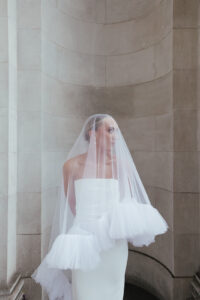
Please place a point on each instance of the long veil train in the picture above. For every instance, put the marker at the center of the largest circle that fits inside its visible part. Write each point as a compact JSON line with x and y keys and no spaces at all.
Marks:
{"x":81,"y":231}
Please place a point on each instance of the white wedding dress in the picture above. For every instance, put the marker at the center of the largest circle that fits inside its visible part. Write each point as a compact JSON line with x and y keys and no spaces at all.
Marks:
{"x":107,"y":280}
{"x":95,"y":248}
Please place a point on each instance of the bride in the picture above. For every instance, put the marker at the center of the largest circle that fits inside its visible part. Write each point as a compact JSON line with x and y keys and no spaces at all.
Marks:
{"x":102,"y":206}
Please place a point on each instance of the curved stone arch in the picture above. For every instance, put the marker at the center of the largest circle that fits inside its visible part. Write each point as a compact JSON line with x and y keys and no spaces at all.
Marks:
{"x":150,"y":274}
{"x":94,"y":11}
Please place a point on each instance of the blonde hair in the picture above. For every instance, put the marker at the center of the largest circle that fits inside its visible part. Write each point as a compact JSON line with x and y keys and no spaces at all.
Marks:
{"x":90,"y":125}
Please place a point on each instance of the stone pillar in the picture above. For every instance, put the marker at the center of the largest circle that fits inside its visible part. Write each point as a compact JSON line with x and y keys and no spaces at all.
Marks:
{"x":28,"y":224}
{"x":20,"y":146}
{"x":11,"y":281}
{"x":186,"y":54}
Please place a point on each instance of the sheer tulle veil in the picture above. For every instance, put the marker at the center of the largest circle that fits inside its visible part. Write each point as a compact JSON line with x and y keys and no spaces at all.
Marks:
{"x":99,"y":152}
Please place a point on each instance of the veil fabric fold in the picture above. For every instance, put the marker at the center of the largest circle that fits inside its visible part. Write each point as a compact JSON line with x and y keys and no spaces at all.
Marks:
{"x":102,"y":199}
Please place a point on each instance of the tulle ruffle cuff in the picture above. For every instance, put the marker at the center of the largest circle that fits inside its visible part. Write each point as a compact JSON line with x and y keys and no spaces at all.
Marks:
{"x":138,"y":223}
{"x":77,"y":249}
{"x":80,"y":248}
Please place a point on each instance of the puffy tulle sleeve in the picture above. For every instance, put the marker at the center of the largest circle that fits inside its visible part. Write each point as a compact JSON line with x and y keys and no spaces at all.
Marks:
{"x":80,"y":248}
{"x":138,"y":223}
{"x":77,"y":249}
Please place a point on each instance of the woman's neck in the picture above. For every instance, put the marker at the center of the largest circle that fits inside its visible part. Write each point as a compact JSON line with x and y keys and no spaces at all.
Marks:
{"x":104,"y":155}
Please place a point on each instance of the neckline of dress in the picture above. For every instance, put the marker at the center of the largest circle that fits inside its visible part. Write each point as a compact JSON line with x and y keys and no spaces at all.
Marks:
{"x":99,"y":179}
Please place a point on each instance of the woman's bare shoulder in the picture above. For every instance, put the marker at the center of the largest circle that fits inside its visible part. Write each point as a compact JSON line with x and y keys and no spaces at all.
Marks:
{"x":74,"y":162}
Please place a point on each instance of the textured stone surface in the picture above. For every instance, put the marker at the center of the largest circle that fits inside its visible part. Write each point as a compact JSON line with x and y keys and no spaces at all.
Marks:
{"x":61,"y":61}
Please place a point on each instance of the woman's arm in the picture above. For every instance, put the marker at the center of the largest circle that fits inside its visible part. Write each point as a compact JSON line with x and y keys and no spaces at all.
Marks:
{"x":128,"y":169}
{"x":67,"y":175}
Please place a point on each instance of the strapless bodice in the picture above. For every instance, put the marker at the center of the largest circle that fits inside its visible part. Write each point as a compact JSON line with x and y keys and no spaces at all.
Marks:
{"x":94,"y":197}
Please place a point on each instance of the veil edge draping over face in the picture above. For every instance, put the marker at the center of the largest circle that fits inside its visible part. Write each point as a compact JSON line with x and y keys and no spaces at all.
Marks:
{"x":116,"y":207}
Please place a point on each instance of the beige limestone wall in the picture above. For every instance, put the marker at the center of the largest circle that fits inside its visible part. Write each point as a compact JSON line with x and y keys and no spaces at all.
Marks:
{"x":29,"y":142}
{"x":4,"y":144}
{"x":186,"y":148}
{"x":9,"y":275}
{"x":109,"y":58}
{"x":136,"y":60}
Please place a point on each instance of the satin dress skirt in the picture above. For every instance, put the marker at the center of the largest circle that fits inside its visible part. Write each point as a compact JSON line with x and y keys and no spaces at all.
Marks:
{"x":107,"y":280}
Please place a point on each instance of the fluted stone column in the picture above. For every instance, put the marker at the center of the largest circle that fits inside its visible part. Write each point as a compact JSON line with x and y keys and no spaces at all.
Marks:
{"x":11,"y":281}
{"x":29,"y":142}
{"x":20,"y":146}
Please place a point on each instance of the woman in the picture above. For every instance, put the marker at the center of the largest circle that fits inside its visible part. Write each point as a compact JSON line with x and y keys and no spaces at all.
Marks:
{"x":103,"y":206}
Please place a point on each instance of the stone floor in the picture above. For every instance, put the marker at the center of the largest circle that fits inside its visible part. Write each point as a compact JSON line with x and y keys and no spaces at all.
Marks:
{"x":135,"y":293}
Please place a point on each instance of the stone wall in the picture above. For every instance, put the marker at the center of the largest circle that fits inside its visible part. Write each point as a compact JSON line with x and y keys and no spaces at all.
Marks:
{"x":62,"y":61}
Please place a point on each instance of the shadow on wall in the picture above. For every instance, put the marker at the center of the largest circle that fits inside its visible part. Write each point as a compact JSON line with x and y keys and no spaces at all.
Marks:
{"x":133,"y":292}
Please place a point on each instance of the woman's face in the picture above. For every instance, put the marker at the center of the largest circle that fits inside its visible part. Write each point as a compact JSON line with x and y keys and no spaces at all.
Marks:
{"x":106,"y":134}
